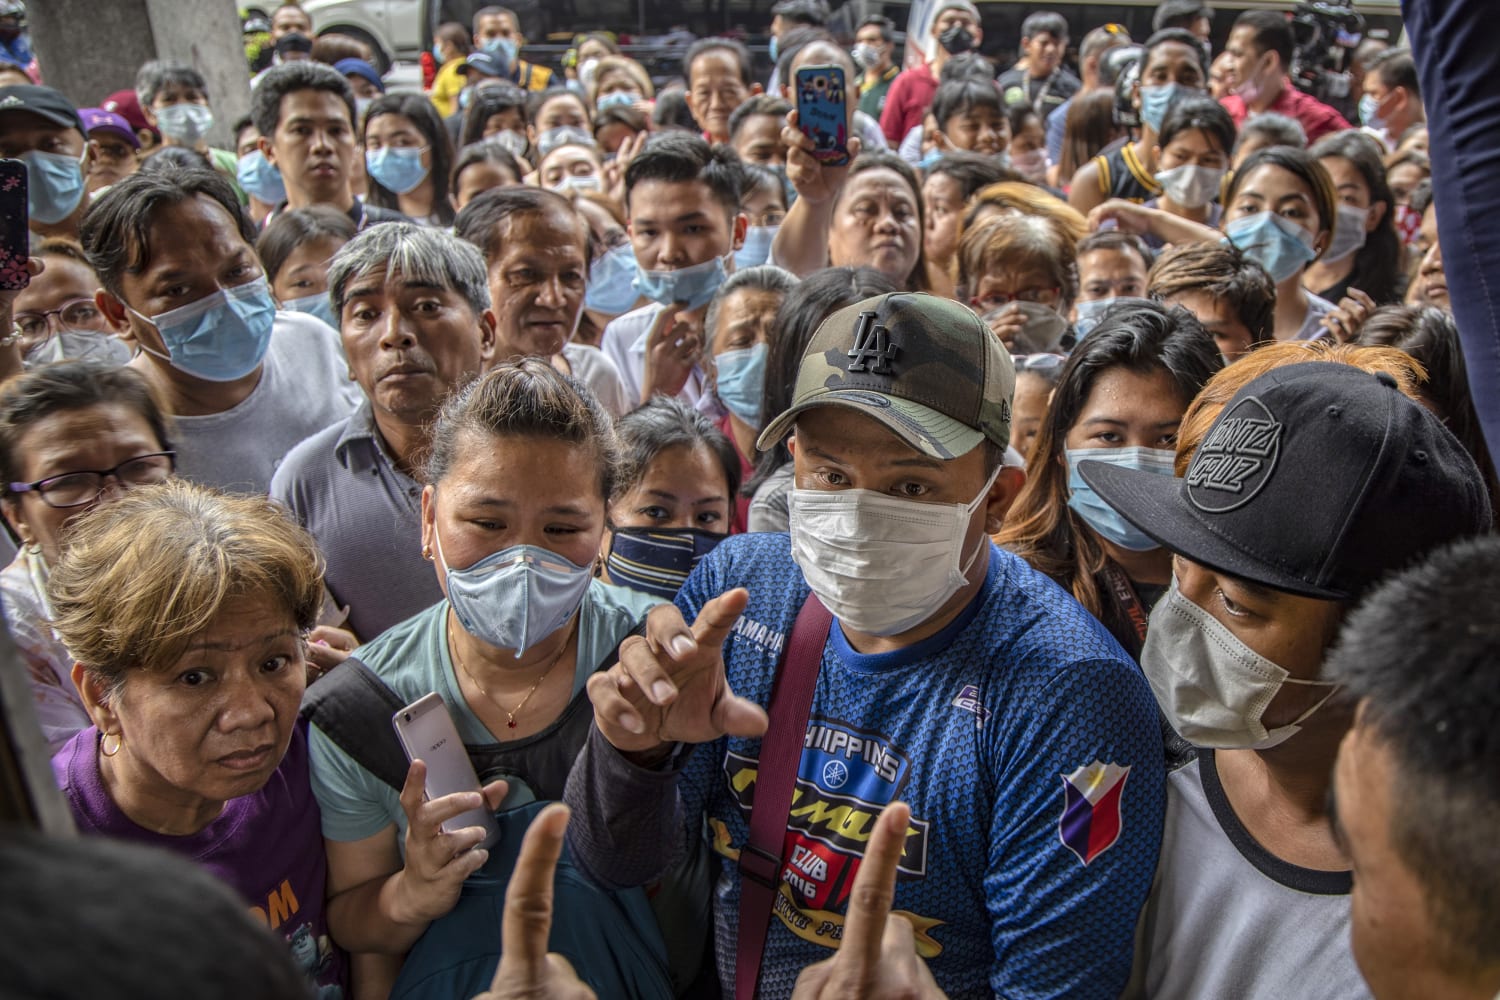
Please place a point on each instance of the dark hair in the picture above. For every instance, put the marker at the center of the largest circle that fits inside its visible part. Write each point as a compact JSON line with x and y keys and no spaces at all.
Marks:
{"x":760,"y":104}
{"x":1202,"y":113}
{"x":617,"y":115}
{"x":958,"y":97}
{"x":972,"y":171}
{"x":167,"y":159}
{"x":525,"y":397}
{"x":541,"y":98}
{"x":332,"y":47}
{"x":292,"y":228}
{"x":679,"y":158}
{"x":493,"y":11}
{"x":1278,"y":130}
{"x":1430,"y":336}
{"x":736,"y":49}
{"x":671,"y":113}
{"x":1044,"y":22}
{"x":1118,"y":242}
{"x":1273,"y":33}
{"x":116,"y":228}
{"x":794,"y":42}
{"x":486,"y":151}
{"x":455,"y":34}
{"x":1377,"y":264}
{"x":1305,"y":167}
{"x":1142,"y":337}
{"x":1419,"y":653}
{"x":885,"y":160}
{"x":286,"y":78}
{"x":1396,"y":68}
{"x":186,"y":933}
{"x":485,"y":221}
{"x":754,"y":177}
{"x":665,"y":422}
{"x":240,"y":124}
{"x":967,"y":66}
{"x":1089,"y":127}
{"x":886,"y":25}
{"x":484,"y":104}
{"x":66,"y":386}
{"x":1017,"y":115}
{"x":166,"y":75}
{"x":1225,"y":272}
{"x":804,"y":309}
{"x":1180,"y":14}
{"x":1180,"y":36}
{"x":418,"y":110}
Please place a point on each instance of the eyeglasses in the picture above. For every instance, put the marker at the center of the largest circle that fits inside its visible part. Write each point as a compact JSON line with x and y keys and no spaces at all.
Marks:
{"x":993,"y":301}
{"x":74,"y":489}
{"x":74,"y":314}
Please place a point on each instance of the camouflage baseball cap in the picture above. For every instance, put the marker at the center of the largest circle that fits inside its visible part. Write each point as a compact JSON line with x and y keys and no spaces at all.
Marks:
{"x":924,"y":366}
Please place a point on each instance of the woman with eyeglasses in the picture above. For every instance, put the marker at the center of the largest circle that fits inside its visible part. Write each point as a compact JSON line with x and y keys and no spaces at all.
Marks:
{"x":56,"y":315}
{"x":1020,"y":274}
{"x":73,"y":436}
{"x":1119,"y":399}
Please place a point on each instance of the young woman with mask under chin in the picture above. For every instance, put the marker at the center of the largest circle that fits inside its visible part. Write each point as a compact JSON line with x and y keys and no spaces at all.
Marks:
{"x":1119,"y":399}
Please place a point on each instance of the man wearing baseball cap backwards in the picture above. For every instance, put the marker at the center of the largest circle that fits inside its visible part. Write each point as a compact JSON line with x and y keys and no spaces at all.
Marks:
{"x":952,"y":675}
{"x":1315,"y":481}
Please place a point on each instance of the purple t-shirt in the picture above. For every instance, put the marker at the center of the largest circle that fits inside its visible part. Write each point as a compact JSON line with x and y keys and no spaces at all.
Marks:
{"x":268,"y":847}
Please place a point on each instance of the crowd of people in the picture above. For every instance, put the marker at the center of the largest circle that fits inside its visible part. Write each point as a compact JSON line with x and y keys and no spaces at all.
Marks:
{"x":1049,"y":553}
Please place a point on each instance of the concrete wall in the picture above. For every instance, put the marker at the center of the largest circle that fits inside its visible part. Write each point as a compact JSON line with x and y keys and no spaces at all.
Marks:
{"x":91,"y":48}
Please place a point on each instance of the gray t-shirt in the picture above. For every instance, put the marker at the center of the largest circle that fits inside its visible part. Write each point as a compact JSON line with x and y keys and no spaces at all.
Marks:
{"x":1226,"y":918}
{"x":304,"y":386}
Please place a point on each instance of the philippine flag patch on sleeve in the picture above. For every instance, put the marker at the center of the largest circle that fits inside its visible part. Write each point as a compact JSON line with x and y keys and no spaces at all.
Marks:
{"x":1090,"y":822}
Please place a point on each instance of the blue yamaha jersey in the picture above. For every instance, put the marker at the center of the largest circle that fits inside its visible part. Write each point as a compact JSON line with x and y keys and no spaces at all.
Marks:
{"x":1025,"y":742}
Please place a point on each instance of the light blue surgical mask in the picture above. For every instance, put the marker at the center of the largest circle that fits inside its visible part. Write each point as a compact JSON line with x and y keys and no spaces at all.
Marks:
{"x":611,"y":287}
{"x":619,"y":99}
{"x":515,"y":598}
{"x":931,"y":158}
{"x":54,"y":185}
{"x":186,"y":123}
{"x":1091,"y":507}
{"x":221,"y":337}
{"x":437,"y":53}
{"x":505,"y":48}
{"x":319,"y":305}
{"x":692,"y":286}
{"x":1280,"y":245}
{"x":260,"y":178}
{"x":1089,"y":315}
{"x":757,"y":247}
{"x":741,"y":380}
{"x":1157,"y":101}
{"x":1369,"y":113}
{"x":397,"y":169}
{"x":774,"y":48}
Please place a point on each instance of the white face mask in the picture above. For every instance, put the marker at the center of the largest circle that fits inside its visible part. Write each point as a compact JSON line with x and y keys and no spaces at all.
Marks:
{"x":1191,"y":186}
{"x":1212,"y":687}
{"x":881,"y":564}
{"x":1348,"y":233}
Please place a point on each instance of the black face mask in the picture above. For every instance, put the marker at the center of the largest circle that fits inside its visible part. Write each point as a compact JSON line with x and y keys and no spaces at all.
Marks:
{"x":956,"y":40}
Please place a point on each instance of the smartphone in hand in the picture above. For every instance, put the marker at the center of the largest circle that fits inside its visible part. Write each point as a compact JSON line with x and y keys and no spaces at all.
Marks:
{"x":15,"y":237}
{"x":427,"y":733}
{"x":823,"y":112}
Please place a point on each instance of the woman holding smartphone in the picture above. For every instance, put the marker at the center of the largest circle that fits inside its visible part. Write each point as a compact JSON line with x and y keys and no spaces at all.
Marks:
{"x":522,"y":466}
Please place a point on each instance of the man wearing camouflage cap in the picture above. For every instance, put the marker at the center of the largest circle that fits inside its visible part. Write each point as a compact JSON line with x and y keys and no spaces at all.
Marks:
{"x":951,"y":676}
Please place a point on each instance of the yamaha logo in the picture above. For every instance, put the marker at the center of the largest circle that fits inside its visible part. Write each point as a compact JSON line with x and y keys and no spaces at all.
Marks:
{"x":1237,"y":458}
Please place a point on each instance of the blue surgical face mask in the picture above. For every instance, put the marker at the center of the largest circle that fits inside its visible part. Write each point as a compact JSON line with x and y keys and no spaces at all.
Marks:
{"x":619,"y":99}
{"x":611,"y":287}
{"x":693,"y":286}
{"x":1369,"y":112}
{"x":319,"y":305}
{"x":260,"y":178}
{"x":1280,"y":245}
{"x":515,"y":598}
{"x":220,"y":338}
{"x":505,"y":48}
{"x":437,"y":53}
{"x":740,"y":382}
{"x":396,"y":169}
{"x":1091,"y":507}
{"x":931,"y":158}
{"x":54,"y":185}
{"x":757,"y":248}
{"x":774,"y":48}
{"x":657,"y":561}
{"x":1089,"y":315}
{"x":1157,"y":101}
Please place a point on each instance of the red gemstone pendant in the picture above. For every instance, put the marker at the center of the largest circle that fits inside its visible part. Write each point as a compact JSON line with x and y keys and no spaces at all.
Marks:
{"x":511,"y":724}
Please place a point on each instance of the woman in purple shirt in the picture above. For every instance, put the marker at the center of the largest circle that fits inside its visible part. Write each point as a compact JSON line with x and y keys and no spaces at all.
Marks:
{"x":186,"y":611}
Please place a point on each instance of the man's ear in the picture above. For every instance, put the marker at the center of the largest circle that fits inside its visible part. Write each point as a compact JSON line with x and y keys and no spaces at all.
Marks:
{"x":741,"y":226}
{"x":487,"y":336}
{"x":266,"y":149}
{"x":115,"y":314}
{"x":756,"y":90}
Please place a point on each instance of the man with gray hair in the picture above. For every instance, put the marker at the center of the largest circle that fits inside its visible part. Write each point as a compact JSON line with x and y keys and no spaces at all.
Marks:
{"x":415,"y":318}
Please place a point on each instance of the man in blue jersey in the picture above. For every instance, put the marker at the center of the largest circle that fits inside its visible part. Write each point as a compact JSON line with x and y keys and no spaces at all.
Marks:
{"x":953,"y":677}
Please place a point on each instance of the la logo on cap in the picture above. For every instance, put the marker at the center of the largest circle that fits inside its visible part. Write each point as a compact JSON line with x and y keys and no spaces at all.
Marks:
{"x":873,"y":351}
{"x":1236,"y":460}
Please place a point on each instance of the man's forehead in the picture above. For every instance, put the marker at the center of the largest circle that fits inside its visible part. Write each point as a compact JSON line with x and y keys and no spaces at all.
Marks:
{"x":13,"y":123}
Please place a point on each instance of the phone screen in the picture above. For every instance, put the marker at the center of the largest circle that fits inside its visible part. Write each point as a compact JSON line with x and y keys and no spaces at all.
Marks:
{"x":15,"y":238}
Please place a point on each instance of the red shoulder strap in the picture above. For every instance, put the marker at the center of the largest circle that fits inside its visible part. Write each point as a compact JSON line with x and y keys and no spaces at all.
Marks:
{"x":776,"y":778}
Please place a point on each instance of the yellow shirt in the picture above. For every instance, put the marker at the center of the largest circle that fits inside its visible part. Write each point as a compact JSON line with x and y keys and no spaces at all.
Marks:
{"x":531,"y":76}
{"x":446,"y":85}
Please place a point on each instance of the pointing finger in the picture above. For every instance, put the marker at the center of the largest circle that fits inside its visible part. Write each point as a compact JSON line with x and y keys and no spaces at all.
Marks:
{"x":528,"y":901}
{"x":874,"y":890}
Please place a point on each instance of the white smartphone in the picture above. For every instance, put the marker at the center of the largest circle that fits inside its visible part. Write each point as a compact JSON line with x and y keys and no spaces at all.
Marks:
{"x":427,"y":733}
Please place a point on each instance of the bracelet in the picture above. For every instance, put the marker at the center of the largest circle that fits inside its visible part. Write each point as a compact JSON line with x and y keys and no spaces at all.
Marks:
{"x":14,"y":338}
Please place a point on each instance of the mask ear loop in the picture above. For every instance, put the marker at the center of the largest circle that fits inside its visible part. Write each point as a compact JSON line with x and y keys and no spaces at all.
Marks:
{"x":970,"y":510}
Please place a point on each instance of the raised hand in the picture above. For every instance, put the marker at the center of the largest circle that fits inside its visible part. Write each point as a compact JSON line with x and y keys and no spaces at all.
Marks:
{"x":527,"y":970}
{"x":669,"y":686}
{"x":877,"y":956}
{"x":812,"y":180}
{"x":1345,"y":322}
{"x":437,"y":862}
{"x":673,"y":346}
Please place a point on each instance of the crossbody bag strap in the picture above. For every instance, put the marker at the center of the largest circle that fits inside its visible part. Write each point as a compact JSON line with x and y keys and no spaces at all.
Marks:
{"x":776,"y":779}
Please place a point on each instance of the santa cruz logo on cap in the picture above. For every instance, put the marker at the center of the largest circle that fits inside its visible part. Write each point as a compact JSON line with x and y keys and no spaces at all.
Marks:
{"x":1236,"y":460}
{"x":873,"y":351}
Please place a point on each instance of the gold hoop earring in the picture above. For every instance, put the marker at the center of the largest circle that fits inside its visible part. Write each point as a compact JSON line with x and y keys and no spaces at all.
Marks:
{"x":427,"y":552}
{"x":104,"y":744}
